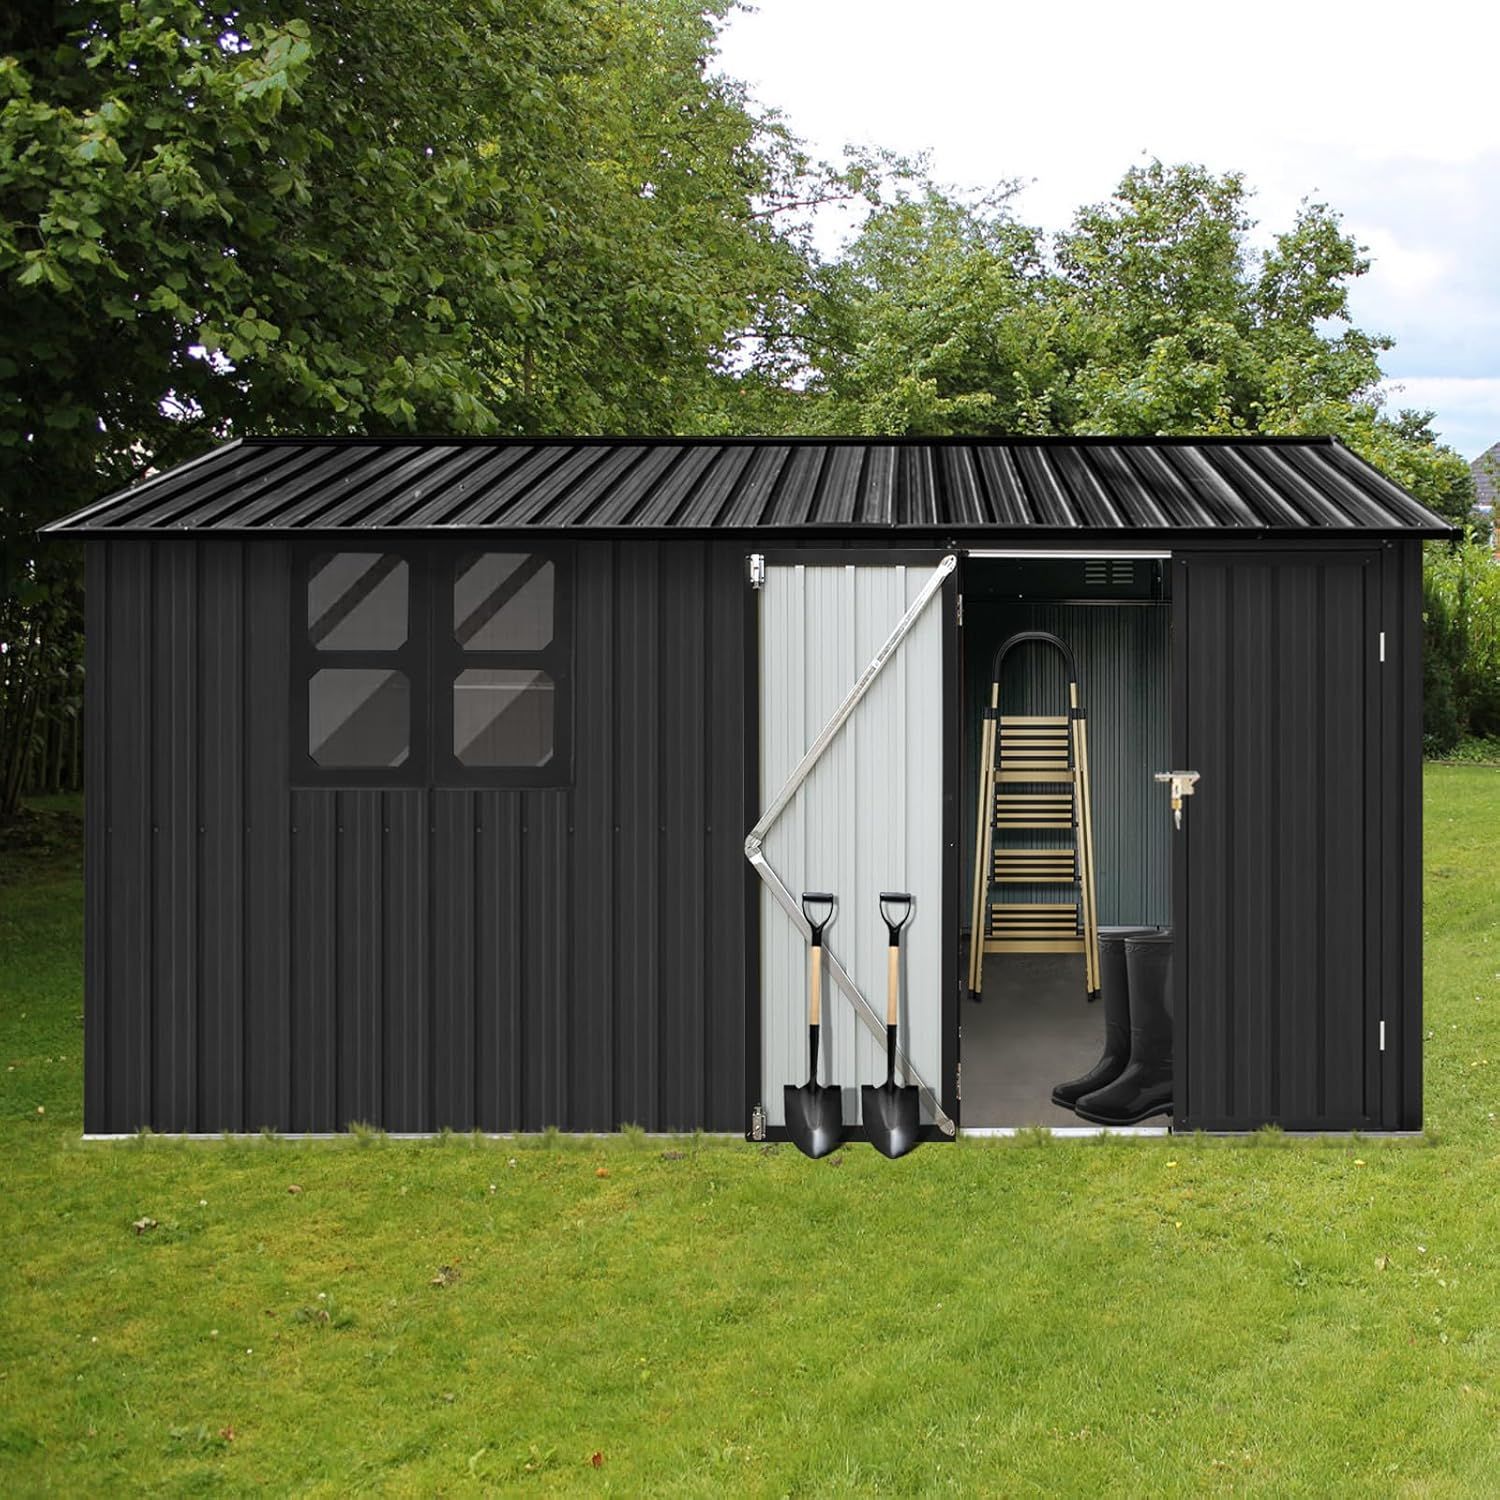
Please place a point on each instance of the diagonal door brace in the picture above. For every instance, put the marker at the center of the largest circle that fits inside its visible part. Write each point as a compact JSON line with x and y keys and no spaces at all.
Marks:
{"x":755,"y":839}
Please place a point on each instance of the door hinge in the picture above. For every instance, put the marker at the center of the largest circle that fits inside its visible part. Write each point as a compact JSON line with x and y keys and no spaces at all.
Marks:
{"x":958,"y":1082}
{"x":758,"y":1123}
{"x":960,"y":609}
{"x":1382,"y":1036}
{"x":757,"y":570}
{"x":1382,"y":645}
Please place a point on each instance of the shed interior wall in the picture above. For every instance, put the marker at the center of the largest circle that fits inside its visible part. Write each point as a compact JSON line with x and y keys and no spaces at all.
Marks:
{"x":1034,"y":1027}
{"x":1123,"y":670}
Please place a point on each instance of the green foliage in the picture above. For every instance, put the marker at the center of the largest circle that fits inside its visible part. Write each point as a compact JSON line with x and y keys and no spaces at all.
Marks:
{"x":1442,"y":662}
{"x":472,"y":217}
{"x":1175,"y":1317}
{"x":1151,"y":314}
{"x":934,"y":321}
{"x":1461,"y":665}
{"x":1475,"y":751}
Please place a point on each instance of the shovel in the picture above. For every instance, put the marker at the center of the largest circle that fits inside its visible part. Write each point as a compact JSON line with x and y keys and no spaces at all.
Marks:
{"x":891,"y":1114}
{"x":815,"y":1112}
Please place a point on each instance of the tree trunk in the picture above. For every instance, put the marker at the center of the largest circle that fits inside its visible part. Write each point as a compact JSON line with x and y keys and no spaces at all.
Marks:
{"x":75,"y":748}
{"x":22,"y":726}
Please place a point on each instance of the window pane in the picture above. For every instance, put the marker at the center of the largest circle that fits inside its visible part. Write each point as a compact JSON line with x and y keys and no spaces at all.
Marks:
{"x":358,"y":717}
{"x":502,"y":601}
{"x":356,"y":601}
{"x":503,"y":717}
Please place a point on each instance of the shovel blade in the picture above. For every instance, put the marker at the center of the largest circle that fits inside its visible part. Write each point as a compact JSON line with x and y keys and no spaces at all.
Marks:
{"x":814,"y":1117}
{"x":892,"y":1118}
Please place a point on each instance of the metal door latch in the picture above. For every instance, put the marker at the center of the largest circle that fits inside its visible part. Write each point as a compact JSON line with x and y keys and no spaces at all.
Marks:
{"x":1182,"y":783}
{"x":757,"y":569}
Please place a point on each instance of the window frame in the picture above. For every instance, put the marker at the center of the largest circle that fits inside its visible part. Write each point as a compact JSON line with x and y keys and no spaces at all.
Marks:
{"x":410,"y":657}
{"x":431,"y":657}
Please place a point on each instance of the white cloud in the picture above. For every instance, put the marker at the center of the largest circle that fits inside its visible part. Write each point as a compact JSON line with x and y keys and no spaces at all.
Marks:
{"x":1469,"y":408}
{"x":1406,"y":270}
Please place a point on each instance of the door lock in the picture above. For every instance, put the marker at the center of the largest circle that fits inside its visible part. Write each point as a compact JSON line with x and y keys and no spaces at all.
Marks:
{"x":1182,"y":783}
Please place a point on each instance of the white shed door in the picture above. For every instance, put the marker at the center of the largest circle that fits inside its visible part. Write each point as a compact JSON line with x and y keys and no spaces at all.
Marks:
{"x":865,"y":816}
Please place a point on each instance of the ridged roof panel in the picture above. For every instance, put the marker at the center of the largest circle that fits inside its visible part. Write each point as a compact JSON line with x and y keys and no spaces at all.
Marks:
{"x":1054,"y":485}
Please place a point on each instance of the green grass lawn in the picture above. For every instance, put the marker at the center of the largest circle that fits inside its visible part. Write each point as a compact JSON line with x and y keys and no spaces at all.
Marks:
{"x":1176,"y":1316}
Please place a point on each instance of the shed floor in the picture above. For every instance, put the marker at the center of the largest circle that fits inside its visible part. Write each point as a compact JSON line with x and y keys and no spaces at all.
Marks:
{"x":1033,"y":1029}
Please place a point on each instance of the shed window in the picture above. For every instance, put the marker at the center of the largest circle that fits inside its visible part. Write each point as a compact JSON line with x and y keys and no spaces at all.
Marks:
{"x":503,"y":717}
{"x":357,"y":601}
{"x":503,"y":601}
{"x":506,"y":667}
{"x":359,"y":716}
{"x":433,"y":665}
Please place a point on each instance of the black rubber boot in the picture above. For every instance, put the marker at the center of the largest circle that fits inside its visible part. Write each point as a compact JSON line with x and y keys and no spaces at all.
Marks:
{"x":1145,"y":1087}
{"x":1114,"y":984}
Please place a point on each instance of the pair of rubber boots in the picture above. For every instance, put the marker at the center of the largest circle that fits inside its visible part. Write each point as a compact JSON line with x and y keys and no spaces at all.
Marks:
{"x":1133,"y":1079}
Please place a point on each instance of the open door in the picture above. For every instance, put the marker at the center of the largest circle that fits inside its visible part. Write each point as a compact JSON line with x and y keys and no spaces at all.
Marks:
{"x":1277,"y":879}
{"x":856,"y":695}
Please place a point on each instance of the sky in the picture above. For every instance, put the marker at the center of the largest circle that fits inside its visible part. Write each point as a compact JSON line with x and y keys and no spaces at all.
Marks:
{"x":1390,"y":114}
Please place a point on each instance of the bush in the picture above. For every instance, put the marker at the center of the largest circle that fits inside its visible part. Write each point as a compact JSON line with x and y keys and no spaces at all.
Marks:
{"x":1461,"y":661}
{"x":1472,"y":752}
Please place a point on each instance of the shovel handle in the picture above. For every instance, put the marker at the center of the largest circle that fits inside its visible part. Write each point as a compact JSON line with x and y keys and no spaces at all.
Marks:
{"x":899,"y":913}
{"x":811,"y":902}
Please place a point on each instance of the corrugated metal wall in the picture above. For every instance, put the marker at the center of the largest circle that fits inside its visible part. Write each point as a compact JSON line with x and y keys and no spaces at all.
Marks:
{"x":1124,"y":674}
{"x":1297,"y":943}
{"x":868,"y":818}
{"x":263,"y":956}
{"x":512,"y":959}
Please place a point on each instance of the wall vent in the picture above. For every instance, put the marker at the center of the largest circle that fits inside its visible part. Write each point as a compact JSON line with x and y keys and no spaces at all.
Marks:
{"x":1102,"y":572}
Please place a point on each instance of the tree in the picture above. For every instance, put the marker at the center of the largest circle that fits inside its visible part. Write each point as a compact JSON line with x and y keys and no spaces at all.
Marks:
{"x":473,"y":217}
{"x":1461,"y":616}
{"x":935,"y":320}
{"x":1151,"y":314}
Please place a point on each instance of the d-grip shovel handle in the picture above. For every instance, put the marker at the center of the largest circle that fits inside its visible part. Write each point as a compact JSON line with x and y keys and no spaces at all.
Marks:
{"x":810,"y":901}
{"x":899,"y":902}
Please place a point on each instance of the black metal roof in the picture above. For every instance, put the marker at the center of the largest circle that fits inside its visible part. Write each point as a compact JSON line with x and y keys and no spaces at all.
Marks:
{"x":265,"y":486}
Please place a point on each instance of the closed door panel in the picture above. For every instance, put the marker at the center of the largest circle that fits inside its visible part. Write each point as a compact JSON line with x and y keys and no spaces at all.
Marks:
{"x":1277,"y":992}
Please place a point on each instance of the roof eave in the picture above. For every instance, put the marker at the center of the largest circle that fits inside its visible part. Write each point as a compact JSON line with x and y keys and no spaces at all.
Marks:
{"x":72,"y":525}
{"x":829,"y":530}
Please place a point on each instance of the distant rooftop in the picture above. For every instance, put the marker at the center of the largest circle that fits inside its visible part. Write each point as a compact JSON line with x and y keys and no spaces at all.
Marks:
{"x":1486,"y":471}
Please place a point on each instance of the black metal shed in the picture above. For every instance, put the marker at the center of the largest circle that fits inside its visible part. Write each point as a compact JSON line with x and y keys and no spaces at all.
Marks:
{"x":420,"y":772}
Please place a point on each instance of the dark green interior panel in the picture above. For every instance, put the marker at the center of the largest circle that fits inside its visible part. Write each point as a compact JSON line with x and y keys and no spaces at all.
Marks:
{"x":1122,"y":649}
